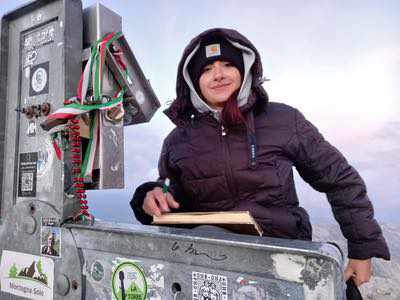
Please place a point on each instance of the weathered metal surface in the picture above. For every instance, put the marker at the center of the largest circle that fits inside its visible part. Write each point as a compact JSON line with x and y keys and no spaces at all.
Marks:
{"x":141,"y":102}
{"x":255,"y":268}
{"x":98,"y":20}
{"x":39,"y":69}
{"x":14,"y":236}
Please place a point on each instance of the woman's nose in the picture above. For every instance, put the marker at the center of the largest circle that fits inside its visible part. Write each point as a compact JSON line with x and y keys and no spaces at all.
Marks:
{"x":218,"y":72}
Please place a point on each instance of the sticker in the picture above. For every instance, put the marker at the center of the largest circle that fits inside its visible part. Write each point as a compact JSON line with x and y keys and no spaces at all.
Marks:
{"x":27,"y":174}
{"x":128,"y":282}
{"x":36,"y":18}
{"x":39,"y":79}
{"x":139,"y":96}
{"x":252,"y":292}
{"x":30,"y":57}
{"x":39,"y":38}
{"x":27,"y":275}
{"x":155,"y":282}
{"x":242,"y":281}
{"x":27,"y":72}
{"x":97,"y":271}
{"x":45,"y":158}
{"x":128,"y":78}
{"x":245,"y":288}
{"x":209,"y":286}
{"x":31,"y":130}
{"x":50,"y":237}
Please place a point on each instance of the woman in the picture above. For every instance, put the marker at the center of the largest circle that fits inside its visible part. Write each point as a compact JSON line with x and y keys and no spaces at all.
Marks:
{"x":232,"y":149}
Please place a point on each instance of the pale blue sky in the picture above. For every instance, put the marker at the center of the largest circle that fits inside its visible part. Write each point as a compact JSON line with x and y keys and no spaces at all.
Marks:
{"x":337,"y":61}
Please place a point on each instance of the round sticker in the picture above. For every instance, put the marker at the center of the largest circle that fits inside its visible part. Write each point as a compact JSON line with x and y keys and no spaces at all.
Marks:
{"x":129,"y":282}
{"x":39,"y":79}
{"x":97,"y":271}
{"x":45,"y":158}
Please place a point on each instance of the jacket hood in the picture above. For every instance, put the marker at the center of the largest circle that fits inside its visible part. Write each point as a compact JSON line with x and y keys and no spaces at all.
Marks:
{"x":186,"y":97}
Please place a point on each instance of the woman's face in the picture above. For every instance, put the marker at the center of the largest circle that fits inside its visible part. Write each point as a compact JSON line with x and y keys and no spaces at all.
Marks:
{"x":218,"y":82}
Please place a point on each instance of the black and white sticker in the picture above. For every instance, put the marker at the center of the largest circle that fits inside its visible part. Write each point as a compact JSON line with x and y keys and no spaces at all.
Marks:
{"x":31,"y":129}
{"x":30,"y":58}
{"x":39,"y":79}
{"x":27,"y":174}
{"x":39,"y":38}
{"x":209,"y":286}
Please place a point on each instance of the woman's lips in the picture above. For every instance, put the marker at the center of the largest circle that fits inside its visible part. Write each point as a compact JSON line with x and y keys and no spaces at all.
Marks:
{"x":220,"y":86}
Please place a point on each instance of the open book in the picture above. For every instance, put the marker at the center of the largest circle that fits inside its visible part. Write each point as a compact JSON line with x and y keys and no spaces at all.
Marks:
{"x":236,"y":221}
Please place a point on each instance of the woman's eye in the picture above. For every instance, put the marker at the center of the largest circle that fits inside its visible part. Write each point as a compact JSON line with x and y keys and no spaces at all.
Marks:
{"x":227,"y":64}
{"x":207,"y":68}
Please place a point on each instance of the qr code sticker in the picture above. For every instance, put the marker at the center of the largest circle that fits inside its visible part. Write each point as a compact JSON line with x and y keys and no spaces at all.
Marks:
{"x":27,"y":182}
{"x":209,"y":286}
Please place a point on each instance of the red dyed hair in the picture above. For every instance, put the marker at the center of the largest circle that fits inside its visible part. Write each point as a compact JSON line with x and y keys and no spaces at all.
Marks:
{"x":231,"y":114}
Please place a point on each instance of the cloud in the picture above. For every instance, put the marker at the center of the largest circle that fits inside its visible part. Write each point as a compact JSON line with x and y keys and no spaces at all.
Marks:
{"x":364,"y":88}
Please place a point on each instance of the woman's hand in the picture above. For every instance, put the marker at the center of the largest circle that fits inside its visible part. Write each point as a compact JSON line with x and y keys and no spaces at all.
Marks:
{"x":156,"y":202}
{"x":360,"y":270}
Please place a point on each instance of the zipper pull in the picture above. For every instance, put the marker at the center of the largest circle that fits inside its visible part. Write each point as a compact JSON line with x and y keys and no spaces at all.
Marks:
{"x":192,"y":119}
{"x":223,"y":131}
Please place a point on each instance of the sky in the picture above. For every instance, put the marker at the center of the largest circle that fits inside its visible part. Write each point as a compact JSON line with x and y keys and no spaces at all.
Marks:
{"x":336,"y":61}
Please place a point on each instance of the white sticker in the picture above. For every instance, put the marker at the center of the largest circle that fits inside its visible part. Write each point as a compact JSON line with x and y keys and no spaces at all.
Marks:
{"x":31,"y":129}
{"x":155,"y":281}
{"x":27,"y":72}
{"x":39,"y":38}
{"x":27,"y":275}
{"x":129,"y":79}
{"x":36,"y":18}
{"x":209,"y":286}
{"x":30,"y":57}
{"x":39,"y":79}
{"x":139,"y":97}
{"x":45,"y":158}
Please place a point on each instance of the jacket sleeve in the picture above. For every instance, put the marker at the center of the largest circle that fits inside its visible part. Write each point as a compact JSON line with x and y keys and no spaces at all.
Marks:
{"x":326,"y":170}
{"x":165,"y":171}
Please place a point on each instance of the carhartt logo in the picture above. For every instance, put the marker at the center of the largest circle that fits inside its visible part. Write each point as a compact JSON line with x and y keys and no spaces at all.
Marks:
{"x":213,"y":50}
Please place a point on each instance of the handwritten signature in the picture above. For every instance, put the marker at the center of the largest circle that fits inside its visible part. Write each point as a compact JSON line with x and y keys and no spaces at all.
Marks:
{"x":191,"y":250}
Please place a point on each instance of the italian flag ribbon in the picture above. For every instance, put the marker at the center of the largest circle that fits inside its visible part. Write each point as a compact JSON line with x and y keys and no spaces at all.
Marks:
{"x":72,"y":110}
{"x":93,"y":71}
{"x":92,"y":75}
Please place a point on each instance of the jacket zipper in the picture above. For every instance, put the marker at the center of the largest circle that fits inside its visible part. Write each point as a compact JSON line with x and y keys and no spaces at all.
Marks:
{"x":229,"y":172}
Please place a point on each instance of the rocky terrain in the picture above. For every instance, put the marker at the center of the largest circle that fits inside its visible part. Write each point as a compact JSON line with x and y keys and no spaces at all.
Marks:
{"x":385,"y":283}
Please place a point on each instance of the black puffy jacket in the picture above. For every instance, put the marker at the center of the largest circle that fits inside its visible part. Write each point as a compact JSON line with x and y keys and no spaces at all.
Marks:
{"x":250,"y":167}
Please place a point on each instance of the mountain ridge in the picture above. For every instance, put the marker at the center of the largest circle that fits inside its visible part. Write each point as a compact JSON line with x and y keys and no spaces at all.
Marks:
{"x":385,"y":282}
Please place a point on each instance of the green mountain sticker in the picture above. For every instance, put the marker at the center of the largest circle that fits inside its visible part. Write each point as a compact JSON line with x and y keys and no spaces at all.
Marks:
{"x":26,"y":275}
{"x":128,"y":282}
{"x":34,"y":271}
